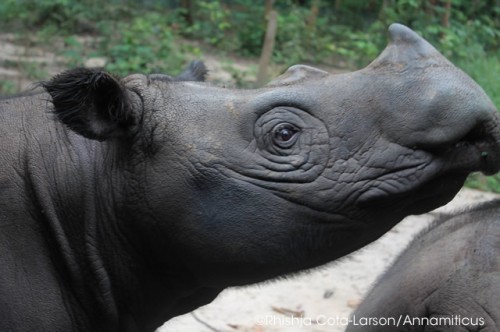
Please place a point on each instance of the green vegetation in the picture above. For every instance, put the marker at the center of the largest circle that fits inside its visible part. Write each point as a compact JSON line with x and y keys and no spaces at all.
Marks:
{"x":163,"y":35}
{"x":135,"y":35}
{"x":485,"y":70}
{"x":485,"y":183}
{"x":145,"y":44}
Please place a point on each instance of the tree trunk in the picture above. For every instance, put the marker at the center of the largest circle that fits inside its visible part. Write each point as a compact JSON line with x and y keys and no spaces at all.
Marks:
{"x":337,"y":5}
{"x":267,"y":49}
{"x":313,"y":15}
{"x":269,"y":7}
{"x":381,"y":13}
{"x":445,"y":21}
{"x":187,"y":14}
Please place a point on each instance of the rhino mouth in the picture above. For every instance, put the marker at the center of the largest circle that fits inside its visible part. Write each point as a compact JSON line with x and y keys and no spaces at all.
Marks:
{"x":477,"y":151}
{"x":436,"y":182}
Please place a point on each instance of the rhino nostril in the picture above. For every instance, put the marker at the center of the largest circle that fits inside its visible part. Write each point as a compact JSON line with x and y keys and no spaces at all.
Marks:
{"x":476,"y":151}
{"x":471,"y":138}
{"x":478,"y":135}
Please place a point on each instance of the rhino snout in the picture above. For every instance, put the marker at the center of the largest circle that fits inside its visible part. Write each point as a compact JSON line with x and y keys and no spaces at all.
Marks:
{"x":426,"y":103}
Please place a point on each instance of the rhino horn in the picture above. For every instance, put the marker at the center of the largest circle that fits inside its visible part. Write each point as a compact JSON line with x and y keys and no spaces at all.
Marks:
{"x":406,"y":49}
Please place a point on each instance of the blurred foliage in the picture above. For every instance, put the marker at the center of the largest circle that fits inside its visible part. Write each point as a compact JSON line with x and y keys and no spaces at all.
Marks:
{"x":163,"y":35}
{"x":145,"y":44}
{"x":349,"y":33}
{"x":485,"y":183}
{"x":485,"y":71}
{"x":60,"y":16}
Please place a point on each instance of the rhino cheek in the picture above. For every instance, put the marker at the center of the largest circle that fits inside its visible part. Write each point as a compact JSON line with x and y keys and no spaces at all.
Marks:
{"x":241,"y":234}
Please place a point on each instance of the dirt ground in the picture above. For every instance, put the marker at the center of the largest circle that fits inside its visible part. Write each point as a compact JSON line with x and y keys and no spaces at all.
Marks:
{"x":320,"y":300}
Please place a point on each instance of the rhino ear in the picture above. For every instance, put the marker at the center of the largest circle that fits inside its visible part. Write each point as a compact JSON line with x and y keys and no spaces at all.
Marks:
{"x":196,"y":71}
{"x":296,"y":74}
{"x":91,"y":102}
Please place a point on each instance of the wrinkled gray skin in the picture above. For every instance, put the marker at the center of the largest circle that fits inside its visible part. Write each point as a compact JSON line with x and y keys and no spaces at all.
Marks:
{"x":451,"y":270}
{"x":127,"y":202}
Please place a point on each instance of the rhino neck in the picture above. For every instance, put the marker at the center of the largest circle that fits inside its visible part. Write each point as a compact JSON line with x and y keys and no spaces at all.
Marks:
{"x":150,"y":280}
{"x":62,"y":172}
{"x":90,"y":209}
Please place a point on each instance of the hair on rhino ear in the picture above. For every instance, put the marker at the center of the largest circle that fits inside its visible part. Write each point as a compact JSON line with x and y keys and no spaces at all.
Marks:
{"x":91,"y":102}
{"x":196,"y":71}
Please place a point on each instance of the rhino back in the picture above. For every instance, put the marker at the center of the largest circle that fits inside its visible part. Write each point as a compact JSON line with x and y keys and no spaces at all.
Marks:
{"x":449,"y":271}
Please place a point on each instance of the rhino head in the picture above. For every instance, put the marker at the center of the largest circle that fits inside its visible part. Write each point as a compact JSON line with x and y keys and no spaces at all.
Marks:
{"x":213,"y":187}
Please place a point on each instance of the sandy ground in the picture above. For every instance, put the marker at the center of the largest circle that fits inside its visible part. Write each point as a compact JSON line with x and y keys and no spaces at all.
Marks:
{"x":324,"y":297}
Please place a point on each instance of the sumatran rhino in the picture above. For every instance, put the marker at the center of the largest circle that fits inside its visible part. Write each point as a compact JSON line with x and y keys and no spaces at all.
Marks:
{"x":448,"y":279}
{"x":128,"y":201}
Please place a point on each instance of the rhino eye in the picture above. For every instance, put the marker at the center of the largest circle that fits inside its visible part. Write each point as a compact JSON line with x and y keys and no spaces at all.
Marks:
{"x":285,"y":135}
